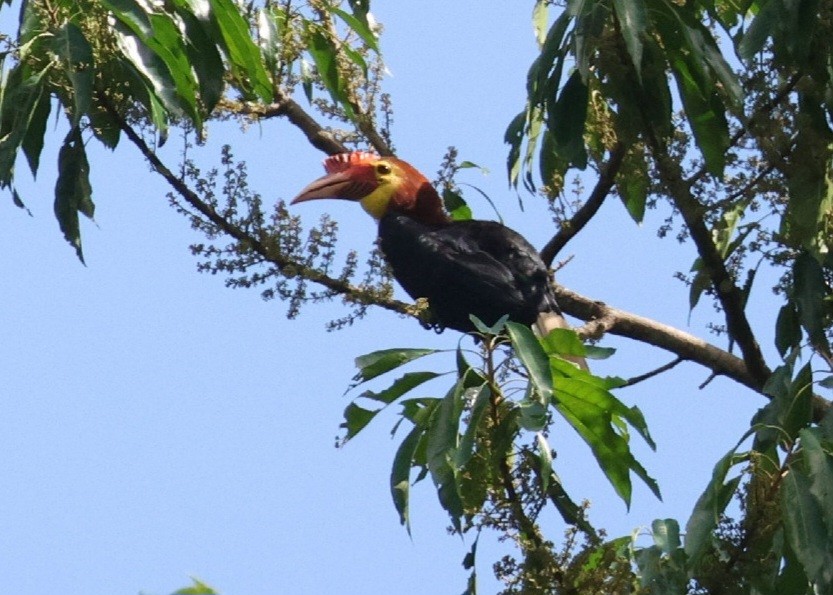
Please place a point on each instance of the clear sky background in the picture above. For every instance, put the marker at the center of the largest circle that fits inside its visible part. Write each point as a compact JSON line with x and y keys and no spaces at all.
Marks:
{"x":155,"y":425}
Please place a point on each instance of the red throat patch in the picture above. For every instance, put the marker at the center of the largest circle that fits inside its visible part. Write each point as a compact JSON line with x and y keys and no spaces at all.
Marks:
{"x":344,"y":161}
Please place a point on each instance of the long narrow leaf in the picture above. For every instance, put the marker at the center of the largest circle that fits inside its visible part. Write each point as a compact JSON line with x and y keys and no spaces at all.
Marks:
{"x":376,"y":363}
{"x":533,"y":357}
{"x":73,"y":193}
{"x":633,"y":21}
{"x":360,"y":27}
{"x":242,"y":51}
{"x":400,"y":476}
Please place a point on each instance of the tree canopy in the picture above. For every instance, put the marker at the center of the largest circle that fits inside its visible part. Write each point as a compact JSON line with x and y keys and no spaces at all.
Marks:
{"x":719,"y":112}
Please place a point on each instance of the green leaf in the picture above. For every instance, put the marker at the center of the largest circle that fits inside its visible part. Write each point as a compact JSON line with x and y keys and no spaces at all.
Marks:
{"x":197,"y":588}
{"x":658,"y":574}
{"x":792,"y":578}
{"x":400,"y":386}
{"x":485,"y":329}
{"x":32,"y":143}
{"x":703,"y":47}
{"x":160,"y":96}
{"x":551,"y":166}
{"x":598,"y":353}
{"x":469,"y":563}
{"x":376,"y":363}
{"x":705,"y":114}
{"x":479,"y":407}
{"x":590,"y":24}
{"x":533,"y":415}
{"x":324,"y":54}
{"x":761,"y":28}
{"x":23,"y":93}
{"x":710,"y":506}
{"x":400,"y":476}
{"x":545,"y":72}
{"x":564,"y":342}
{"x":18,"y":202}
{"x":808,"y":180}
{"x":360,"y":27}
{"x":154,"y":43}
{"x":73,"y":193}
{"x":632,"y":184}
{"x":514,"y":137}
{"x":566,"y":119}
{"x":269,"y":23}
{"x":455,"y":205}
{"x":806,"y":530}
{"x":240,"y":48}
{"x":75,"y":51}
{"x":666,"y":533}
{"x":570,"y":512}
{"x":533,"y":133}
{"x":655,"y":99}
{"x":306,"y":79}
{"x":596,"y":414}
{"x":633,"y":22}
{"x":787,"y":328}
{"x":540,"y":18}
{"x":819,"y":460}
{"x":356,"y":419}
{"x":810,"y":293}
{"x":442,"y":436}
{"x":203,"y":53}
{"x":790,"y":409}
{"x":533,"y":357}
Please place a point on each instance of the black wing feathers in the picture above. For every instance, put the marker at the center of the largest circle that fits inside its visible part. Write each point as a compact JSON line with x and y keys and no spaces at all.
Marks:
{"x":467,"y":267}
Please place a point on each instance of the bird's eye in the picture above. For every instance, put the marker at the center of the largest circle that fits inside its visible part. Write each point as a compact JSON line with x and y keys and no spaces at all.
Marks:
{"x":383,"y":169}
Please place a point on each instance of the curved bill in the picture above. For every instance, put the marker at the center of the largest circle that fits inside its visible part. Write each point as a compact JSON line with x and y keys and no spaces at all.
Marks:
{"x":340,"y":184}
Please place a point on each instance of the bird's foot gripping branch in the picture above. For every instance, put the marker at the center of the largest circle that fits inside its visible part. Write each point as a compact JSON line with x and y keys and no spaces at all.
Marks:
{"x":486,"y":443}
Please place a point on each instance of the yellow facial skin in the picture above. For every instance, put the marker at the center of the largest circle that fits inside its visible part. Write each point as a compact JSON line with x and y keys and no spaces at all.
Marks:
{"x":376,"y":203}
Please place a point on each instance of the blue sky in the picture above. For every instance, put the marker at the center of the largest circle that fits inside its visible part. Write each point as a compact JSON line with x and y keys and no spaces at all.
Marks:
{"x":155,"y":425}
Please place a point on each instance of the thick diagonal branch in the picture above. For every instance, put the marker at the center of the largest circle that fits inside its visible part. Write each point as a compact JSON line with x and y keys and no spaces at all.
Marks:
{"x":607,"y":319}
{"x":728,"y":293}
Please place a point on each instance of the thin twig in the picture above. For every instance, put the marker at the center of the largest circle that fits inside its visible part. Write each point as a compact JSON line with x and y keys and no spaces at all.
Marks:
{"x":652,"y":373}
{"x":607,"y":176}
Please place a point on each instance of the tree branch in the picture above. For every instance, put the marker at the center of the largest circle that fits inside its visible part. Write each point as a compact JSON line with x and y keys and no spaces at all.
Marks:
{"x":284,"y":106}
{"x":350,"y":292}
{"x":607,"y":319}
{"x":318,"y":136}
{"x":607,"y":176}
{"x":729,"y":295}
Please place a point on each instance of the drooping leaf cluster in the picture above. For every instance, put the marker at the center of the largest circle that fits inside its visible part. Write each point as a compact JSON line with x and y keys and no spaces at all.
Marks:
{"x":485,"y":443}
{"x":743,"y":155}
{"x":110,"y":64}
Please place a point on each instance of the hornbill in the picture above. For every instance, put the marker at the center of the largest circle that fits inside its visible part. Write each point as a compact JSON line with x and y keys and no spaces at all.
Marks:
{"x":462,"y":268}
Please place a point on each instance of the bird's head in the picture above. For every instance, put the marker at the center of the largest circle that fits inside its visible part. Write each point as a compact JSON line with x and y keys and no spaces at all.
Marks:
{"x":380,"y":184}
